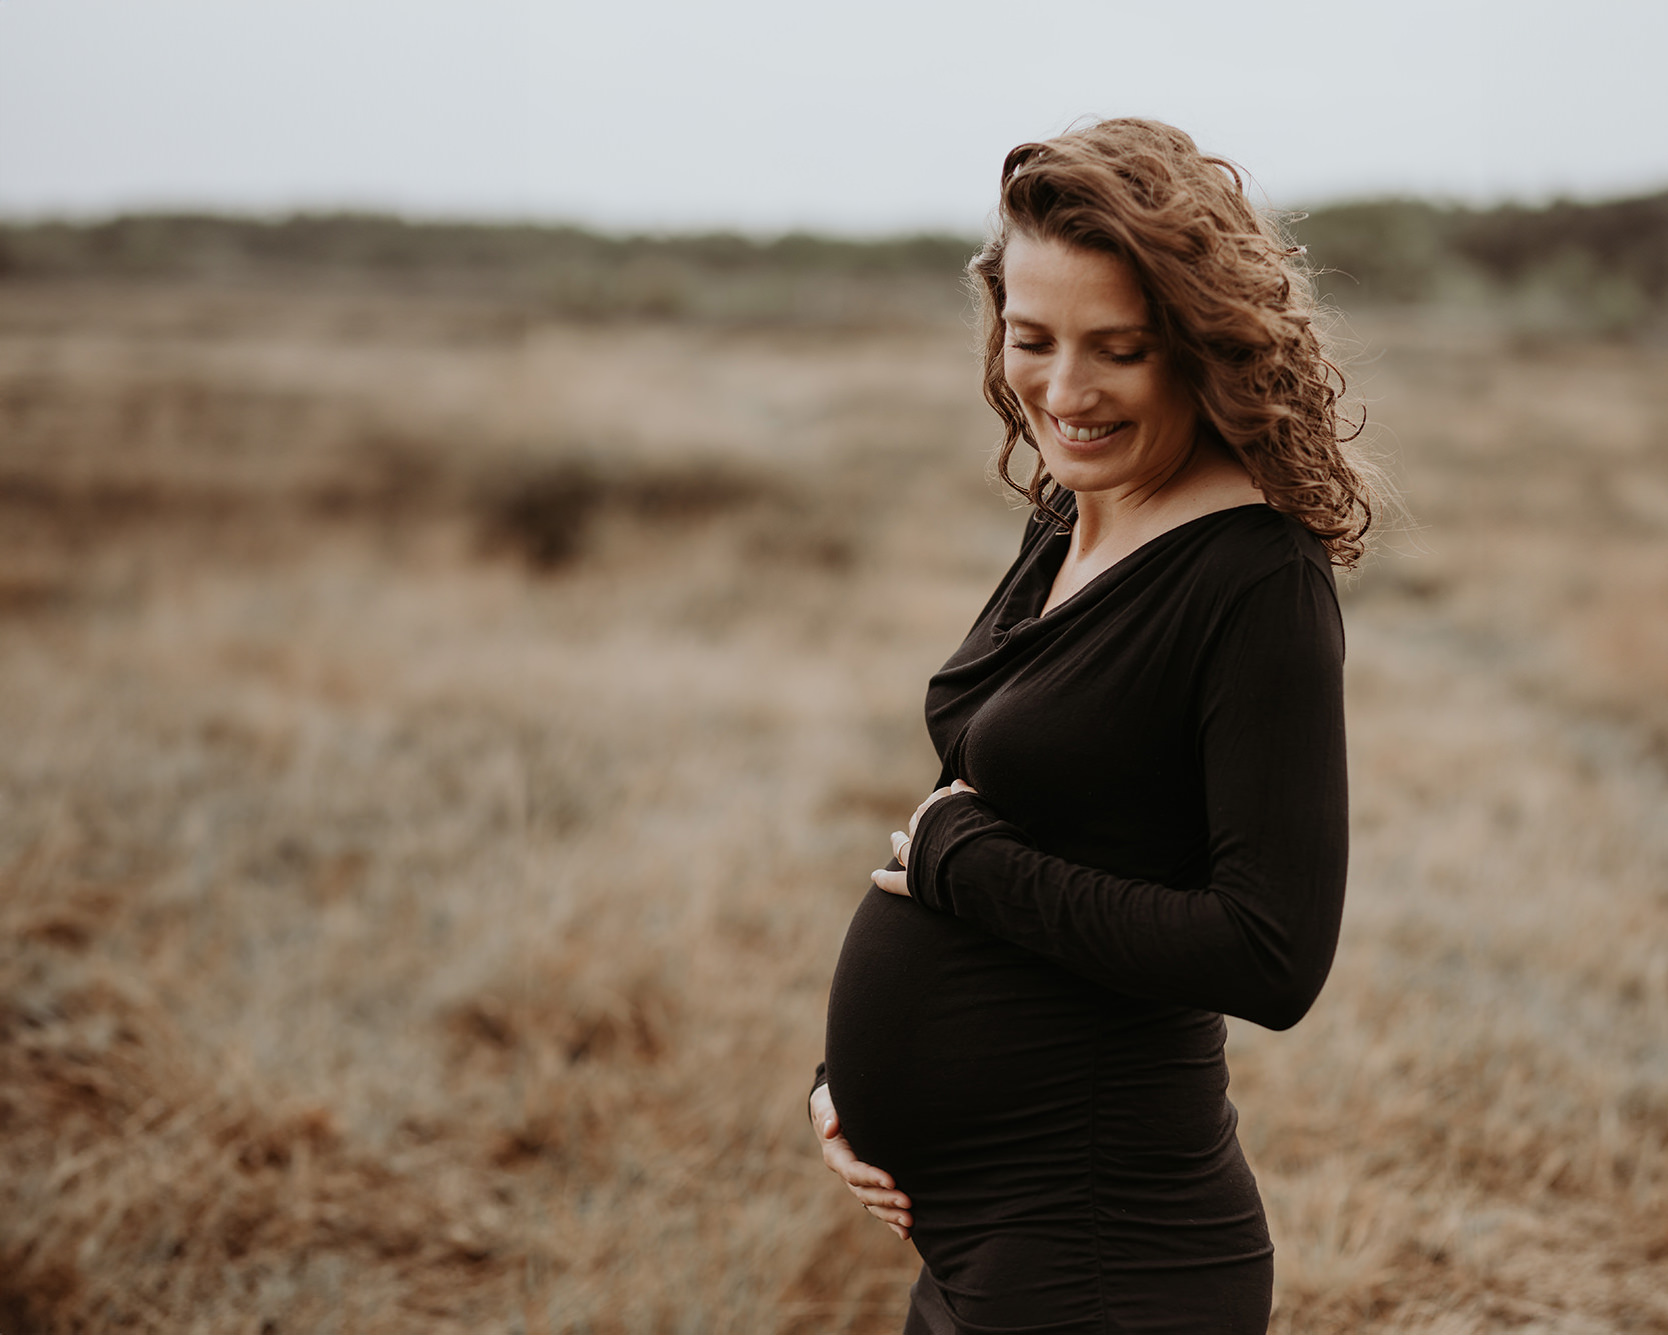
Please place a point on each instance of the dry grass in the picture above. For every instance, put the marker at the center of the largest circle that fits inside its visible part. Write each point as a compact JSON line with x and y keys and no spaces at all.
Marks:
{"x":441,"y":755}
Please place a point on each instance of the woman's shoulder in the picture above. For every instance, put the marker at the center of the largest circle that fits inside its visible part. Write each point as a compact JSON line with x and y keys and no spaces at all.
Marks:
{"x":1270,"y":588}
{"x":1254,"y":549}
{"x":1250,"y":542}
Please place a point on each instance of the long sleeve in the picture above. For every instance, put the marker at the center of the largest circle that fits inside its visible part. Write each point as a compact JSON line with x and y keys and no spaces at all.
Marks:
{"x":1258,"y":940}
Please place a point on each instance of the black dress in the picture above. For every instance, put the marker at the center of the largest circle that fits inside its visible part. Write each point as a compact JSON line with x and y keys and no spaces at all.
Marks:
{"x":1031,"y":1044}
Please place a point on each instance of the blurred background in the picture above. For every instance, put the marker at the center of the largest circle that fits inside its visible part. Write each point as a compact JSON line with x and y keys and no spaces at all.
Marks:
{"x":482,"y":489}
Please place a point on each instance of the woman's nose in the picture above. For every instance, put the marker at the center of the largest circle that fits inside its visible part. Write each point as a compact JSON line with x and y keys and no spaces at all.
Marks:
{"x":1071,"y":388}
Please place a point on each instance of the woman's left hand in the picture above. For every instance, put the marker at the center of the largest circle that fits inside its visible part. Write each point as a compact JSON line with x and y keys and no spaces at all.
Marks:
{"x":897,"y":882}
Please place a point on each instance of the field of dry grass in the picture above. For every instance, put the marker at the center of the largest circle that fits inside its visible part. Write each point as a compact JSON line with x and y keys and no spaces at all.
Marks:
{"x":441,"y":752}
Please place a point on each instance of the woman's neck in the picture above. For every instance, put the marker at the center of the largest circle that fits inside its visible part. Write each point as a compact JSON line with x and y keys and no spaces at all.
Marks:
{"x":1120,"y":520}
{"x":1113,"y":523}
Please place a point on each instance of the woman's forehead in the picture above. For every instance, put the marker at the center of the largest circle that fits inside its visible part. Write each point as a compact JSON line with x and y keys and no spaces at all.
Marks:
{"x":1046,"y":282}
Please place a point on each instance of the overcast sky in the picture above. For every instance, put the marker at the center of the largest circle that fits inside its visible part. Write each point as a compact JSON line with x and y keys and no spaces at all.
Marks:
{"x":862,"y":116}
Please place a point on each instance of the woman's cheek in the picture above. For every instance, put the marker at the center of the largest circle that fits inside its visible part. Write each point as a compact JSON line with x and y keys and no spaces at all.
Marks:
{"x":1013,"y":371}
{"x":1024,"y":388}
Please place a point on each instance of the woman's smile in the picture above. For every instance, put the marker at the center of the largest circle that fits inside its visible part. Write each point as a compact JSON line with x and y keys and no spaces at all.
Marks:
{"x":1082,"y":434}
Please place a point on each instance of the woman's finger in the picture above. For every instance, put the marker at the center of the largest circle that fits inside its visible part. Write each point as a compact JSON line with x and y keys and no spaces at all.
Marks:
{"x":901,"y":1222}
{"x":856,"y":1174}
{"x":957,"y":787}
{"x":859,"y":1176}
{"x":876,"y":1199}
{"x":896,"y":1218}
{"x":836,"y":1153}
{"x":930,"y":798}
{"x":900,"y":847}
{"x":871,"y":1185}
{"x":893,"y":882}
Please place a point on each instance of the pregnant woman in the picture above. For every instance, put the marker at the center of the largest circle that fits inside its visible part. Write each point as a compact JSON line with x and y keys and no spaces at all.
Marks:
{"x":1140,"y":823}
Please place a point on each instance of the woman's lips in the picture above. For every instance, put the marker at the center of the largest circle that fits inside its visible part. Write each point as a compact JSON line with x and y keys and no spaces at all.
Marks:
{"x":1085,"y":434}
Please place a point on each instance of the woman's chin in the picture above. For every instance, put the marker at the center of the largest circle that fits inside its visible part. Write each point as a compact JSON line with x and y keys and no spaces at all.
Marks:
{"x":1082,"y":475}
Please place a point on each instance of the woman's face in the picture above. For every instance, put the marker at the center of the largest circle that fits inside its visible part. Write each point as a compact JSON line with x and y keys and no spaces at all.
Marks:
{"x":1105,"y":405}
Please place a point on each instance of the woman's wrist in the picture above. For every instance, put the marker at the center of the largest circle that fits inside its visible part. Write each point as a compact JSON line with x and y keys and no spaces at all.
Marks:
{"x":926,"y":847}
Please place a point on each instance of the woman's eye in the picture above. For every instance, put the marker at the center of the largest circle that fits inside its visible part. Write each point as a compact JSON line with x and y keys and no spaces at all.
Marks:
{"x":1028,"y":347}
{"x":1127,"y":358}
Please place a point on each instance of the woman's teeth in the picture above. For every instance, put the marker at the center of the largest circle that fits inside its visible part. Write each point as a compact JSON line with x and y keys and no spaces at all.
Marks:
{"x":1086,"y":432}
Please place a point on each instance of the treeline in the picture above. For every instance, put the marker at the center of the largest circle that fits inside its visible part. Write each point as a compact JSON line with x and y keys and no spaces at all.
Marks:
{"x":1598,"y":265}
{"x":561,"y":270}
{"x":1603,"y":266}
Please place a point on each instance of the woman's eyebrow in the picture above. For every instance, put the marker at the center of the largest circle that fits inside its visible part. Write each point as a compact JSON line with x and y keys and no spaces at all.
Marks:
{"x":1014,"y":318}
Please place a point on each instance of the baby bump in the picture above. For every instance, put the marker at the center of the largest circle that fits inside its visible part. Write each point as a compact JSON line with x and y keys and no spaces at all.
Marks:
{"x":1036,"y":1121}
{"x":944,"y":1043}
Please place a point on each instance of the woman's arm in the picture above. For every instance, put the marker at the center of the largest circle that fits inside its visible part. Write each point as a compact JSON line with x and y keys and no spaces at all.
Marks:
{"x":1258,"y":940}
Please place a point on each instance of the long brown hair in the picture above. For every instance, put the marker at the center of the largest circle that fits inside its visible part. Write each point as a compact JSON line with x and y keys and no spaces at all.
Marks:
{"x":1234,"y":308}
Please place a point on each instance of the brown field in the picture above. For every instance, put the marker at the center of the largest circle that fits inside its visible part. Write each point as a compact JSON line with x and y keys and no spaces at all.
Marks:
{"x":441,"y":751}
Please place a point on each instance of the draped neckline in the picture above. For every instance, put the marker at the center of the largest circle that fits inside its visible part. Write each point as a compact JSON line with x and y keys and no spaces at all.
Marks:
{"x":1022,"y":603}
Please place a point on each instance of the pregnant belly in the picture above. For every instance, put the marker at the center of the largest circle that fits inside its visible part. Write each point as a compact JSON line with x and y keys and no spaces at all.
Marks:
{"x":944,"y":1042}
{"x":1031,"y":1116}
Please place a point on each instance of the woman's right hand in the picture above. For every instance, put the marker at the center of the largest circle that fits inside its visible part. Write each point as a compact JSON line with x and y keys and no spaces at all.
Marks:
{"x":871,"y":1185}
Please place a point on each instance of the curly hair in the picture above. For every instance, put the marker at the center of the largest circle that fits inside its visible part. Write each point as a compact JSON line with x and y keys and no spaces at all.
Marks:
{"x":1231,"y":304}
